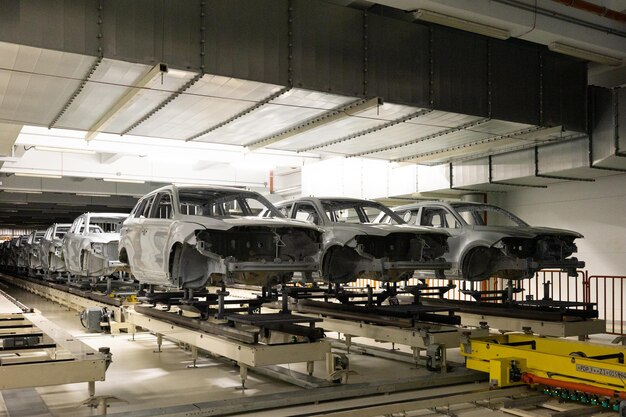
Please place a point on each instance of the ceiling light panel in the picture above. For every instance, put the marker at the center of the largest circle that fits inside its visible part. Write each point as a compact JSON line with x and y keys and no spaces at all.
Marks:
{"x":427,"y":124}
{"x":499,"y":127}
{"x":46,"y":79}
{"x":444,"y":119}
{"x":155,"y":92}
{"x":208,"y":102}
{"x":394,"y":135}
{"x":106,"y":86}
{"x":439,"y":157}
{"x":289,"y":109}
{"x":441,"y":142}
{"x":357,"y":122}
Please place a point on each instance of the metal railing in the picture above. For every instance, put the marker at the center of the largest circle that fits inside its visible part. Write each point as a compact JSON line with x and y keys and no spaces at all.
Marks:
{"x":609,"y":291}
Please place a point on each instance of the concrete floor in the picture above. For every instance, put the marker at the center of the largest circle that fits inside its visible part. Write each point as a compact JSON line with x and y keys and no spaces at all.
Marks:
{"x":143,"y":379}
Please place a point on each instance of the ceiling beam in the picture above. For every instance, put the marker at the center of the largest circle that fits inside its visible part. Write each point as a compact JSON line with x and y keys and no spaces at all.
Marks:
{"x":124,"y":101}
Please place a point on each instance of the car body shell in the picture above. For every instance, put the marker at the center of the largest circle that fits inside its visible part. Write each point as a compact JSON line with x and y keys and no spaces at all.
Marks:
{"x":489,"y":242}
{"x":12,"y":252}
{"x":164,"y":246}
{"x":90,"y":251}
{"x":348,"y":239}
{"x":32,"y":248}
{"x":51,"y":248}
{"x":22,"y":251}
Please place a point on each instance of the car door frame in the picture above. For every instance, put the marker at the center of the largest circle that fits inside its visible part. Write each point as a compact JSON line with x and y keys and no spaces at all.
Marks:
{"x":157,"y":229}
{"x":72,"y":240}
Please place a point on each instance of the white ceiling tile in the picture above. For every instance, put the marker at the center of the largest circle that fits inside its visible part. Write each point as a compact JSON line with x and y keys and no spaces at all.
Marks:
{"x":208,"y":102}
{"x":287,"y":110}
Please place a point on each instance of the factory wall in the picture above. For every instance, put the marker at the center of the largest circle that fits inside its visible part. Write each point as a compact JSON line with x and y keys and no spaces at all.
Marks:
{"x":595,"y":209}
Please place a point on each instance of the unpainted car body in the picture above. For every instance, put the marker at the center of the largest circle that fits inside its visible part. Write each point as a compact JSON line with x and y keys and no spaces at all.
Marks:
{"x":354,"y":247}
{"x":187,"y":237}
{"x":90,"y":247}
{"x":51,"y":248}
{"x":488,"y":241}
{"x":12,"y":252}
{"x":21,"y":253}
{"x":32,"y":249}
{"x":5,"y":253}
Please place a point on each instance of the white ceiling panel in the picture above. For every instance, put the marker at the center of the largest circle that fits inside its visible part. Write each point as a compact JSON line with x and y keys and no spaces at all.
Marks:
{"x":444,"y":119}
{"x":110,"y":82}
{"x":442,"y":142}
{"x":155,"y":93}
{"x":425,"y":125}
{"x":341,"y":128}
{"x":499,"y":127}
{"x":287,"y":110}
{"x":394,"y":135}
{"x":213,"y":99}
{"x":36,"y":83}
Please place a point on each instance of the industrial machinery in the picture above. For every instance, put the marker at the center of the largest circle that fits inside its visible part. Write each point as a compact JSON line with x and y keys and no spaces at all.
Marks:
{"x":589,"y":373}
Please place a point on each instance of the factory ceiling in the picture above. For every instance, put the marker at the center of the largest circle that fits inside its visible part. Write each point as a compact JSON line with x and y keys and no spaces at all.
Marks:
{"x":132,"y":91}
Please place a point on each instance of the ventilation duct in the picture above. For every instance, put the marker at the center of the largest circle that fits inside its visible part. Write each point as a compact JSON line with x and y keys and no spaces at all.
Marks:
{"x":608,"y":138}
{"x":535,"y":167}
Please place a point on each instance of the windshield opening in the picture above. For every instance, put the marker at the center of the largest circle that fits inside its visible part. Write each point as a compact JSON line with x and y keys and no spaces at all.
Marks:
{"x":105,"y":225}
{"x":358,"y":212}
{"x":223,"y":203}
{"x":486,"y":215}
{"x":61,"y":231}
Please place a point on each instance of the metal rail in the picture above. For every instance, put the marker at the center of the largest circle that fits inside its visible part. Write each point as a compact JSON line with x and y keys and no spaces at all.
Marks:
{"x":610,"y":291}
{"x":317,"y":400}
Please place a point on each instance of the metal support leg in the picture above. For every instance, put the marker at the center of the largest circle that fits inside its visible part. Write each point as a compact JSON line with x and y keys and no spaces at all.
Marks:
{"x":310,"y":367}
{"x":330,"y":364}
{"x":91,"y":386}
{"x":243,"y":374}
{"x":133,"y":329}
{"x":444,"y":360}
{"x":348,"y":342}
{"x":159,"y":343}
{"x":102,"y":406}
{"x":194,"y":356}
{"x":285,"y":301}
{"x":221,"y":309}
{"x":416,"y":354}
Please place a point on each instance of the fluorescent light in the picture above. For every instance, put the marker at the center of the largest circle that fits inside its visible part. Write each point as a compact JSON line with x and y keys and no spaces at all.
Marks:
{"x":93,"y":195}
{"x":123,"y":180}
{"x":33,"y":174}
{"x":68,"y":150}
{"x":462,"y":24}
{"x":584,"y":54}
{"x":22,"y":191}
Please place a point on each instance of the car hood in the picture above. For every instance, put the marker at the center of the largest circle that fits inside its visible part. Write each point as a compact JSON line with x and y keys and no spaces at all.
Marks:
{"x":379,"y":229}
{"x":526,"y":231}
{"x":102,"y":237}
{"x":226,"y":223}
